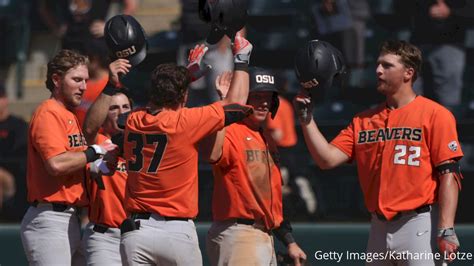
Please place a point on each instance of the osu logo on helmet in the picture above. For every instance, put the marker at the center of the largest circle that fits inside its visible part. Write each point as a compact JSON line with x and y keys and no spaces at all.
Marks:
{"x":127,"y":52}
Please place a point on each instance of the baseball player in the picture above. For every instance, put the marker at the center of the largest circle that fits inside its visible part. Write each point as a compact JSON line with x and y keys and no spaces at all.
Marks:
{"x":407,"y":153}
{"x":247,"y":198}
{"x":57,"y":156}
{"x":160,"y":147}
{"x":107,"y":190}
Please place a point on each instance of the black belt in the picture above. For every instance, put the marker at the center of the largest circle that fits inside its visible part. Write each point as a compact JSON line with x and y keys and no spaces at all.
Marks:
{"x":57,"y":207}
{"x":100,"y":228}
{"x":147,"y":215}
{"x":421,"y":209}
{"x":245,"y":221}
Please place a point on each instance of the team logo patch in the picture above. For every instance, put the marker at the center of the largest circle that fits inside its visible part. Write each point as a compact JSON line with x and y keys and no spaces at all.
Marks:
{"x":453,"y":145}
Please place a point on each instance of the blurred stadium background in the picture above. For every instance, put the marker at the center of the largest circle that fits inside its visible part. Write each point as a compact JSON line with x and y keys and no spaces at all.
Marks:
{"x":276,"y":28}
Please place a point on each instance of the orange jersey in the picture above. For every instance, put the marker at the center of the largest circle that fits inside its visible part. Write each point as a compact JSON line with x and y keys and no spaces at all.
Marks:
{"x":54,"y":130}
{"x":106,"y":205}
{"x":397,"y":152}
{"x":285,"y":121}
{"x":247,"y":178}
{"x":162,"y":158}
{"x":94,"y":88}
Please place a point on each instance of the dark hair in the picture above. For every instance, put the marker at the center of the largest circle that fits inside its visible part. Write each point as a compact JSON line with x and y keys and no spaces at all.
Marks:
{"x":61,"y":63}
{"x":410,"y":55}
{"x":125,"y":91}
{"x":169,"y":84}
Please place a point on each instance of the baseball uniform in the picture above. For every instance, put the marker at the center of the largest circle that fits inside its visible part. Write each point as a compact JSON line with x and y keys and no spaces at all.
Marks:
{"x":247,"y":199}
{"x":397,"y":151}
{"x":162,"y":188}
{"x":50,"y":230}
{"x":106,"y":213}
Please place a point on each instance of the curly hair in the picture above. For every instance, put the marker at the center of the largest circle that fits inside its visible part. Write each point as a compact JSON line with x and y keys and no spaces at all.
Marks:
{"x":169,"y":84}
{"x":410,"y":55}
{"x":61,"y":63}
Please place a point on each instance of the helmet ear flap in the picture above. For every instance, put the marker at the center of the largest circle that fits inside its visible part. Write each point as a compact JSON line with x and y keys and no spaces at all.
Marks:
{"x":275,"y":105}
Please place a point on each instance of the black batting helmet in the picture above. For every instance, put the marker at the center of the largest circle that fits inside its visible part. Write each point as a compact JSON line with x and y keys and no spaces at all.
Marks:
{"x":265,"y":80}
{"x":126,"y":38}
{"x":317,"y":64}
{"x":225,"y":16}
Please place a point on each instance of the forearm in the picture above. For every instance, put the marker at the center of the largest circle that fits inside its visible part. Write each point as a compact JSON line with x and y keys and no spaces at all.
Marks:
{"x":447,"y":200}
{"x":96,"y":116}
{"x":317,"y":144}
{"x":210,"y":148}
{"x":66,"y":163}
{"x":239,"y":88}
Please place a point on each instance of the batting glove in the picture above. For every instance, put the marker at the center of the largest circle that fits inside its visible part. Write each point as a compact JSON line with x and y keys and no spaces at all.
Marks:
{"x":241,"y":48}
{"x":194,"y":66}
{"x":99,"y":166}
{"x":448,"y":243}
{"x":94,"y":152}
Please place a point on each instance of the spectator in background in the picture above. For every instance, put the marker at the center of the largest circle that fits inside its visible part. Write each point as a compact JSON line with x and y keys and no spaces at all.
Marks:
{"x":13,"y":132}
{"x":78,"y":22}
{"x":439,"y":29}
{"x":343,"y":24}
{"x":296,"y":186}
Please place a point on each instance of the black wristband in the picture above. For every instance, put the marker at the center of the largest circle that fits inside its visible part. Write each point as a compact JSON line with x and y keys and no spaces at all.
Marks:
{"x":109,"y":90}
{"x":91,"y":155}
{"x":241,"y":67}
{"x":283,"y":233}
{"x":288,"y":239}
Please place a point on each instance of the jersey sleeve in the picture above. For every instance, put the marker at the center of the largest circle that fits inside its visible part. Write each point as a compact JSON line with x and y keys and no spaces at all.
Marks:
{"x":202,"y":121}
{"x":344,"y":141}
{"x":48,"y":135}
{"x":443,"y":138}
{"x":228,"y":152}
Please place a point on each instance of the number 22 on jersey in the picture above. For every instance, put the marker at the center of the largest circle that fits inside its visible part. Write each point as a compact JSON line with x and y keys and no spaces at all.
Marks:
{"x":411,"y":159}
{"x":155,"y":143}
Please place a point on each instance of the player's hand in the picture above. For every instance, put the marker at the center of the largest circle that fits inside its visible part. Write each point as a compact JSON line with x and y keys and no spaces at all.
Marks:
{"x":241,"y":49}
{"x":194,"y":62}
{"x":297,"y":254}
{"x":97,"y":28}
{"x":448,"y":243}
{"x":103,"y":148}
{"x":223,"y":83}
{"x":118,"y":68}
{"x":111,"y":160}
{"x":440,"y":10}
{"x":303,"y":106}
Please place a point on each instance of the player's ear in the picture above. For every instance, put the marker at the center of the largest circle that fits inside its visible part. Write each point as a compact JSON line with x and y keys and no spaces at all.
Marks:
{"x":56,"y":78}
{"x":409,"y":73}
